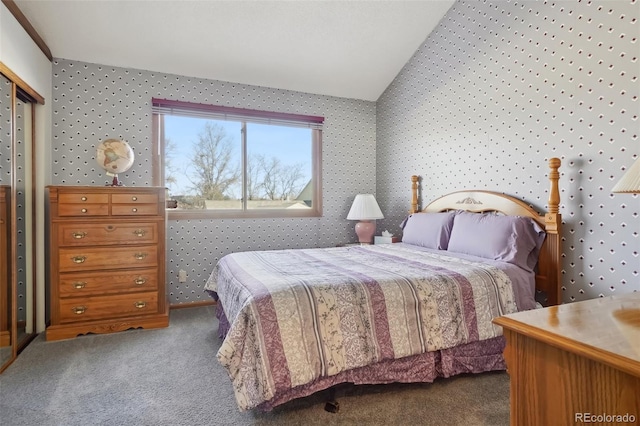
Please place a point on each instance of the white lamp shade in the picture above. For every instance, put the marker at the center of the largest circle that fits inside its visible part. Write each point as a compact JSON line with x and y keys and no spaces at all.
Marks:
{"x":630,"y":181}
{"x":365,"y":207}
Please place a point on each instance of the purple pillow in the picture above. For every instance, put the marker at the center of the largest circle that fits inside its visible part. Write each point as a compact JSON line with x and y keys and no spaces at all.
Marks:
{"x":430,"y":230}
{"x":512,"y":239}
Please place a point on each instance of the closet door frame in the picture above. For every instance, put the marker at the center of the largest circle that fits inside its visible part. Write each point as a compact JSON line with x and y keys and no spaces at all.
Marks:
{"x":22,"y":92}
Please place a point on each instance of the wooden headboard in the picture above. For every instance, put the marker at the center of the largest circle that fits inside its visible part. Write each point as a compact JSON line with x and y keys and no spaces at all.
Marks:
{"x":478,"y":201}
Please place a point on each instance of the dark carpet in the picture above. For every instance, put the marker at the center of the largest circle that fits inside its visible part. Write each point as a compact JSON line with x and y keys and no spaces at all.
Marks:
{"x":171,"y":377}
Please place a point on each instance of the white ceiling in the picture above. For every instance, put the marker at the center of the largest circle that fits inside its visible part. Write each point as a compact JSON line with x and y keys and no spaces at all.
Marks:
{"x":347,"y":48}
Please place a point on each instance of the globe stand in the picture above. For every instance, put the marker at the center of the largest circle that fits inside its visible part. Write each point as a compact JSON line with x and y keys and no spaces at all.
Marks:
{"x":115,"y":181}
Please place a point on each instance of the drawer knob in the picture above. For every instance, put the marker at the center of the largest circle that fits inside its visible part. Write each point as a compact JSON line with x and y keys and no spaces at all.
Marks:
{"x":83,"y":198}
{"x":140,"y":232}
{"x":140,"y":280}
{"x":79,"y":235}
{"x":79,"y":310}
{"x":79,"y":284}
{"x":140,"y":256}
{"x":141,"y":304}
{"x":79,"y":259}
{"x":134,"y":210}
{"x":83,"y":210}
{"x":134,"y":198}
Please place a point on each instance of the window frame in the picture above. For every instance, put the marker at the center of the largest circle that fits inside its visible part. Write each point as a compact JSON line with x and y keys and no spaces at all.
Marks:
{"x":161,"y":107}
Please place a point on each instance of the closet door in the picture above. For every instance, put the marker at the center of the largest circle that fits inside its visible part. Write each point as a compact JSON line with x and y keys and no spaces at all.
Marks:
{"x":17,"y":250}
{"x":6,"y":340}
{"x":23,"y":208}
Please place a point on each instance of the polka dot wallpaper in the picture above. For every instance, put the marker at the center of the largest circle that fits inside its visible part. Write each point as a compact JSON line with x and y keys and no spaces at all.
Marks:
{"x":498,"y":89}
{"x":5,"y":132}
{"x":93,"y":102}
{"x":20,"y":112}
{"x":493,"y":93}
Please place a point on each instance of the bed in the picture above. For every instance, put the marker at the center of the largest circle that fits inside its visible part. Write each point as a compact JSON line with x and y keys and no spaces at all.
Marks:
{"x":295,"y":322}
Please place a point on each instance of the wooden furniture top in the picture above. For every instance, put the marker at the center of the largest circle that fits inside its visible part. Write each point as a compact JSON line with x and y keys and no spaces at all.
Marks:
{"x":106,"y":189}
{"x":606,"y":330}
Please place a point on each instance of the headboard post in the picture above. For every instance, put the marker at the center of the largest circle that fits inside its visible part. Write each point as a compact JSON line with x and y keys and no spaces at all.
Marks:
{"x":552,"y":218}
{"x":552,"y":246}
{"x":554,"y":193}
{"x":414,"y":194}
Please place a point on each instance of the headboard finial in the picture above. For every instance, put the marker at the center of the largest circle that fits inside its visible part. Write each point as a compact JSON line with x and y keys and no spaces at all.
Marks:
{"x":414,"y":194}
{"x":554,"y":192}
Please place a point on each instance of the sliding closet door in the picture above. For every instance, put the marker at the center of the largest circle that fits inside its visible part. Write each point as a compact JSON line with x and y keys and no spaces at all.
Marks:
{"x":6,"y":339}
{"x":22,"y":144}
{"x":17,"y":250}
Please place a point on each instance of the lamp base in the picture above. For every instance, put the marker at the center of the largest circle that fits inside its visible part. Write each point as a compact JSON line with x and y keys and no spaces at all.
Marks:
{"x":365,"y":230}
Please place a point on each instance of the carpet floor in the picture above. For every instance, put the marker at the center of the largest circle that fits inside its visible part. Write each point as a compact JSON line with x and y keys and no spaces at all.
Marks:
{"x":171,"y":377}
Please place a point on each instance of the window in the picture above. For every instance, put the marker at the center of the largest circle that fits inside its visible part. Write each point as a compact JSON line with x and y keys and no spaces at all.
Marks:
{"x":230,"y":162}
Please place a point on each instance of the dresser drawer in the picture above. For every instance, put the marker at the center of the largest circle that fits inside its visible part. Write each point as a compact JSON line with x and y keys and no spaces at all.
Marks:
{"x":88,"y":210}
{"x":134,"y":198}
{"x":99,"y":307}
{"x":82,"y":198}
{"x":99,"y":258}
{"x":108,"y":233}
{"x":83,"y":204}
{"x":80,"y":284}
{"x":134,"y":209}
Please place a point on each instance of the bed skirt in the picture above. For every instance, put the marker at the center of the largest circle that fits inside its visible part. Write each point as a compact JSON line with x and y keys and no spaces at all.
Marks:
{"x":476,"y":357}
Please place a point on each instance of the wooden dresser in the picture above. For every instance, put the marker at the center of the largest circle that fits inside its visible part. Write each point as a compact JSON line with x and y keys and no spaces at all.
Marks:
{"x":575,"y":363}
{"x":106,"y":259}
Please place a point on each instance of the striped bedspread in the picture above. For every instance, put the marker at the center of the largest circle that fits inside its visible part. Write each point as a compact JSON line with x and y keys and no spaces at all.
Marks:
{"x":297,"y":315}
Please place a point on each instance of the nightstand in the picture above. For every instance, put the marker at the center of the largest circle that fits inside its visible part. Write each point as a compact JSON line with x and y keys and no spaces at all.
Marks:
{"x":575,"y":360}
{"x":385,"y":240}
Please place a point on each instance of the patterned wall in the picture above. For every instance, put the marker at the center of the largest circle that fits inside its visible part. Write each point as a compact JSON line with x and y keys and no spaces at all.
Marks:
{"x":21,"y":170}
{"x":498,"y":89}
{"x":93,"y":102}
{"x":5,"y":130}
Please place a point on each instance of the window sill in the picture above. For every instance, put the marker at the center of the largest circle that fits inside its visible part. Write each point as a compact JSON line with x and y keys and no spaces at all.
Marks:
{"x":173,"y":214}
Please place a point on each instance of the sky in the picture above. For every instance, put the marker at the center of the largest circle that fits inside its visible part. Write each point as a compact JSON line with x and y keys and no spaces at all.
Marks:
{"x":291,"y":144}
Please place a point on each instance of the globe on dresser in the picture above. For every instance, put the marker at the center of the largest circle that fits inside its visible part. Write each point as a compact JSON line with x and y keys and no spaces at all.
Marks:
{"x":114,"y":156}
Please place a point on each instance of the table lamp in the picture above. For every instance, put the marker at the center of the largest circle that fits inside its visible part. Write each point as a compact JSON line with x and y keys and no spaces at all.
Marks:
{"x":365,"y":209}
{"x":630,"y":181}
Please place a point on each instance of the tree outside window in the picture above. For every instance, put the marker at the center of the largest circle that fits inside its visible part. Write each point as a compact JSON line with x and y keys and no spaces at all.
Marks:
{"x":236,"y":167}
